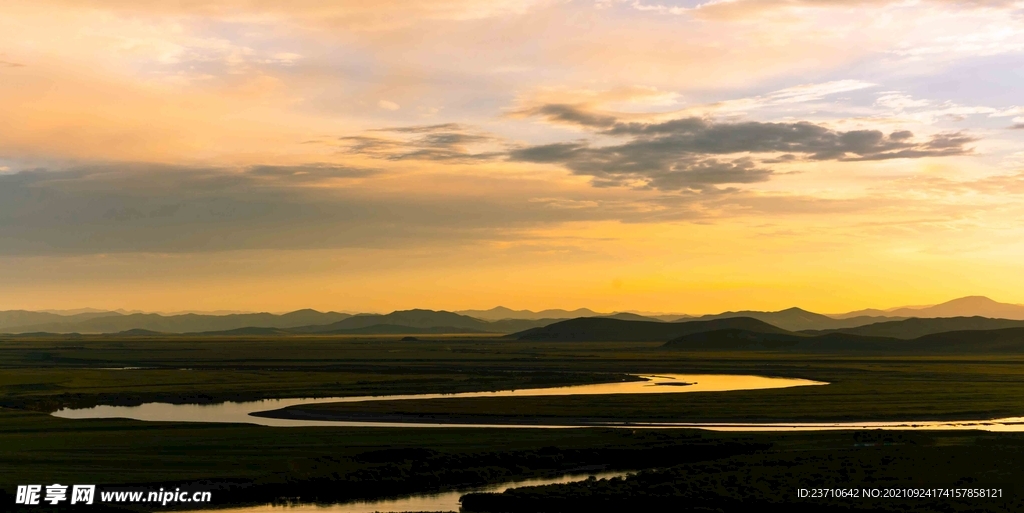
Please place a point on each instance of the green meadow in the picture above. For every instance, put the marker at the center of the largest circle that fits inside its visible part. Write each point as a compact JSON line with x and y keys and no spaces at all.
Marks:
{"x":248,"y":464}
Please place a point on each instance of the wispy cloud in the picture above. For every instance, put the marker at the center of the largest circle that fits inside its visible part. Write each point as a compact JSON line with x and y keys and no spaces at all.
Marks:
{"x":448,"y":142}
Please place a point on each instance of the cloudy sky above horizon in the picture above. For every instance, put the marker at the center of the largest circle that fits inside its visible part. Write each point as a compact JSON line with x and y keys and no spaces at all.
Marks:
{"x":657,"y":155}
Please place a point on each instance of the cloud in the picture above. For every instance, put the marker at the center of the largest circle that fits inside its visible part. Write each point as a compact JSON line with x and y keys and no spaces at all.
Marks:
{"x":590,"y":108}
{"x":448,"y":142}
{"x":151,"y":208}
{"x":349,"y":14}
{"x":386,"y":105}
{"x":695,"y":153}
{"x":9,"y":64}
{"x":572,"y":115}
{"x":907,"y":108}
{"x":739,"y":9}
{"x":307,"y":173}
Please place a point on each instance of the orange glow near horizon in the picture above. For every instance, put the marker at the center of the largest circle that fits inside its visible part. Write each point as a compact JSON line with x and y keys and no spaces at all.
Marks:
{"x":458,"y":154}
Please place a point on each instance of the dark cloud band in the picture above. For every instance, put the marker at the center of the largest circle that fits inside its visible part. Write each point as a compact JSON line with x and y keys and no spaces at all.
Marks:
{"x":697,"y":153}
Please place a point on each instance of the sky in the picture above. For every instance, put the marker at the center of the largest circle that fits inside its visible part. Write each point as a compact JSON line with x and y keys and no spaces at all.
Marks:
{"x":654,"y":155}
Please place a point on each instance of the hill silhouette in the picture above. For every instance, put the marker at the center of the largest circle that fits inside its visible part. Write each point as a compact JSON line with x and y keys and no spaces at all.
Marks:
{"x":505,"y":320}
{"x":918,"y":327}
{"x":376,"y":329}
{"x":417,"y":318}
{"x":969,"y":306}
{"x":393,"y":329}
{"x":627,"y":316}
{"x":500,"y":312}
{"x":423,"y":319}
{"x":516,"y":325}
{"x":13,"y":319}
{"x":739,"y":339}
{"x":603,"y":329}
{"x":139,"y":333}
{"x":797,"y":319}
{"x":1008,"y":340}
{"x":244,"y":332}
{"x":1001,"y":341}
{"x":185,"y":323}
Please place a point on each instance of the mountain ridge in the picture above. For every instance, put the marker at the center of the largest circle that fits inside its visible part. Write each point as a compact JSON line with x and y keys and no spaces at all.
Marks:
{"x":1007,"y":340}
{"x":184,"y":323}
{"x":915,"y":327}
{"x":498,"y":319}
{"x":603,"y":329}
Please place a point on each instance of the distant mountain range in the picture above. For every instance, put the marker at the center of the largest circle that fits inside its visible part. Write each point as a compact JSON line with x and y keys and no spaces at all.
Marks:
{"x":747,"y":333}
{"x":298,"y":322}
{"x":602,"y":329}
{"x":970,"y":306}
{"x":24,"y":320}
{"x":1009,"y":340}
{"x":962,"y":335}
{"x":420,"y":321}
{"x":500,"y":313}
{"x":968,"y":313}
{"x":113,"y":322}
{"x":796,"y":319}
{"x":918,"y":327}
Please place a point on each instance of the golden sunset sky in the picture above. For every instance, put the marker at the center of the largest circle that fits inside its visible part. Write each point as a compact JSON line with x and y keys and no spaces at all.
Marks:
{"x":653,"y":155}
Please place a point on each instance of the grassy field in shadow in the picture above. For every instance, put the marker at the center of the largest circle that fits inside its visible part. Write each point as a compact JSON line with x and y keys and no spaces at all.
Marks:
{"x":251,"y":464}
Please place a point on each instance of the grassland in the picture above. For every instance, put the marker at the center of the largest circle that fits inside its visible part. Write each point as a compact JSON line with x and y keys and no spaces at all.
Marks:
{"x":250,"y":463}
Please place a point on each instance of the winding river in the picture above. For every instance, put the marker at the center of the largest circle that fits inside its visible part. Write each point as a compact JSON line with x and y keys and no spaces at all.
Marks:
{"x":241,"y":412}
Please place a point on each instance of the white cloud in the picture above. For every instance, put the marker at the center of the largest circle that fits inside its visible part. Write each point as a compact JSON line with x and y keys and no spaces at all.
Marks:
{"x":388,"y":105}
{"x":1005,"y":113}
{"x":906,"y":107}
{"x":803,"y":93}
{"x":896,"y":100}
{"x":811,"y":92}
{"x":993,"y":41}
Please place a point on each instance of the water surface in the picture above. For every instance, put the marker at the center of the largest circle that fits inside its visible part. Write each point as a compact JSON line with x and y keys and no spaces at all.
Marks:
{"x":660,"y":384}
{"x":240,"y":412}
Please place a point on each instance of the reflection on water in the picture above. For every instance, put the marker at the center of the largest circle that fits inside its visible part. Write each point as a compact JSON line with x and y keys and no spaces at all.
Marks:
{"x":661,"y":384}
{"x":239,"y":412}
{"x":447,"y":501}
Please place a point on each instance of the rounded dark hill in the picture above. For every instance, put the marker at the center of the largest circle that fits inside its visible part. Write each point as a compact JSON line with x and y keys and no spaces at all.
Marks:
{"x":919,"y":327}
{"x":139,"y":333}
{"x":408,"y":318}
{"x":972,"y":342}
{"x":793,"y":319}
{"x":394,"y":329}
{"x":627,"y":316}
{"x":251,"y":330}
{"x":745,"y":340}
{"x":1008,"y":340}
{"x":602,"y":329}
{"x":732,"y":339}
